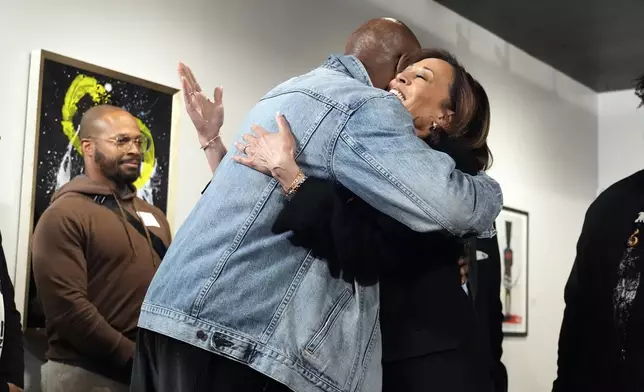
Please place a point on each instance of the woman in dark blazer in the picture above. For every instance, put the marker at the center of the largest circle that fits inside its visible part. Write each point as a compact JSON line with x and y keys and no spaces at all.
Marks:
{"x":432,"y":340}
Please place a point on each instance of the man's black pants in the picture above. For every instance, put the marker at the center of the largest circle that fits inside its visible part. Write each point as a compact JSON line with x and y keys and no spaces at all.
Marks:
{"x":163,"y":364}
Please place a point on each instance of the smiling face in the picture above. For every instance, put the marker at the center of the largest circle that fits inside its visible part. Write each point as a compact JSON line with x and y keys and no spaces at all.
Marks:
{"x":424,"y":88}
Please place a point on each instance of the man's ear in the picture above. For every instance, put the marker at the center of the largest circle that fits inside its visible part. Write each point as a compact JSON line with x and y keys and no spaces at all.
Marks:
{"x":87,"y":148}
{"x":403,"y":62}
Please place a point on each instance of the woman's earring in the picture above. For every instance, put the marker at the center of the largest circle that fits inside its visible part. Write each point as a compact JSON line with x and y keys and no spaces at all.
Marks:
{"x":434,"y":126}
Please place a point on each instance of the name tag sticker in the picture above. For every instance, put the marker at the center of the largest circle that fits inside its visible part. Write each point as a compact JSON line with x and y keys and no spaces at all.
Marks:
{"x":148,"y":219}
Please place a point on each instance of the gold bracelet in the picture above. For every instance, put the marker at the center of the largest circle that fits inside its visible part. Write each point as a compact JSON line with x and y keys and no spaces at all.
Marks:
{"x":210,"y":142}
{"x":296,"y":184}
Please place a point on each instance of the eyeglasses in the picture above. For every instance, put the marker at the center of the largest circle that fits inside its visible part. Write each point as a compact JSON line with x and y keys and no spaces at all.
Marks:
{"x":124,"y":143}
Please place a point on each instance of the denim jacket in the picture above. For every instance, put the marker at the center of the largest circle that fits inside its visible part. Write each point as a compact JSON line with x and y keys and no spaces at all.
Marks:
{"x":230,"y":286}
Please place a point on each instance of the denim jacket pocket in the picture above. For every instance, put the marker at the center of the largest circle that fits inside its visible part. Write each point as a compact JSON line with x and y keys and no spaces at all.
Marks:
{"x":318,"y":338}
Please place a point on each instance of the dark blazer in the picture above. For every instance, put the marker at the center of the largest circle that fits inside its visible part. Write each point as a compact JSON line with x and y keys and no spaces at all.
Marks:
{"x":12,"y":366}
{"x":588,"y":342}
{"x":424,"y":310}
{"x":485,"y":284}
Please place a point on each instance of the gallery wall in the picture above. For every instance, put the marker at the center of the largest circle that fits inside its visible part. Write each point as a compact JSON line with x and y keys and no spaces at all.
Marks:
{"x":620,"y":136}
{"x":543,"y":133}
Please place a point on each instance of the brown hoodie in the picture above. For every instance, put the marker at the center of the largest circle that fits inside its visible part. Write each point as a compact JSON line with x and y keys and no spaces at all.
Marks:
{"x":92,"y":269}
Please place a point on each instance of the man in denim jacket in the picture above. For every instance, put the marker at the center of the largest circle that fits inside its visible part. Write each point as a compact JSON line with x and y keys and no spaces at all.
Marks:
{"x":234,"y":307}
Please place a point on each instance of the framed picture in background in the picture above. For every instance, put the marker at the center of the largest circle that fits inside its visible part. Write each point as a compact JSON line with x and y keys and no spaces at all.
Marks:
{"x":61,"y":90}
{"x":512,"y":228}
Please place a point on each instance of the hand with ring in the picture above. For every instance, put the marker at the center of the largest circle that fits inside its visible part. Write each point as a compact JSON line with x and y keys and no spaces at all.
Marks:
{"x":271,"y":153}
{"x":207,"y":115}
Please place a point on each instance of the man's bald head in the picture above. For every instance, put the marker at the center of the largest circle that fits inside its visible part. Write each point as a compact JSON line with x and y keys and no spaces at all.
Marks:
{"x":98,"y":119}
{"x":112,"y":145}
{"x":379,"y":44}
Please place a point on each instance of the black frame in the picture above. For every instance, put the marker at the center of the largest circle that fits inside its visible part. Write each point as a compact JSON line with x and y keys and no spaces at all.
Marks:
{"x":527,"y":269}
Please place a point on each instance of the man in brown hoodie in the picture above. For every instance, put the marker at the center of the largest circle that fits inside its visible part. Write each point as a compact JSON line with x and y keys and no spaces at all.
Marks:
{"x":95,"y":251}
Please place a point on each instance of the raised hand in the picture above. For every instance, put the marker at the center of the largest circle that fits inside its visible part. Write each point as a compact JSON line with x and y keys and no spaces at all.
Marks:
{"x":207,"y":115}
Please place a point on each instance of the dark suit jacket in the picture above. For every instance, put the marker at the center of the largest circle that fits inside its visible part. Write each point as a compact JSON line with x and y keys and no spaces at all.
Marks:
{"x":12,"y":366}
{"x":485,"y":284}
{"x":423,"y":308}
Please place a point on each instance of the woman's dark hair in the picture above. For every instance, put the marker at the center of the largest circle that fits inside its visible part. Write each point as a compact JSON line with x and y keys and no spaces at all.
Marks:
{"x":478,"y":129}
{"x":639,"y":89}
{"x":469,"y":102}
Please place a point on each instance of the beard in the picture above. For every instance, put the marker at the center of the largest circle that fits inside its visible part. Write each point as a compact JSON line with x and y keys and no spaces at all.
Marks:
{"x":113,"y":169}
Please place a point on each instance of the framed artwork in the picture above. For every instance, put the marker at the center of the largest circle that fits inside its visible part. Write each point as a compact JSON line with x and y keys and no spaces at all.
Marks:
{"x":512,"y":228}
{"x":61,"y":90}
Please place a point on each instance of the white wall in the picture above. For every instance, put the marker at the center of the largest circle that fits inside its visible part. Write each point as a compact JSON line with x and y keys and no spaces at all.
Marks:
{"x":620,"y":136}
{"x":543,"y":129}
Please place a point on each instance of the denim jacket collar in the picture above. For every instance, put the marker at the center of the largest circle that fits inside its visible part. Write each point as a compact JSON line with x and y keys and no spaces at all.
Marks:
{"x":349,"y":65}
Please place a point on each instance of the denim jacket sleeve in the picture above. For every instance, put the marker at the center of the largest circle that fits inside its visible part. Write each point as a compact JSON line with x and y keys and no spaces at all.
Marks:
{"x":378,"y":157}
